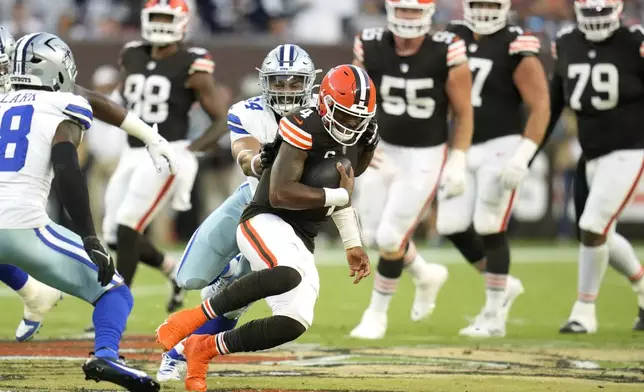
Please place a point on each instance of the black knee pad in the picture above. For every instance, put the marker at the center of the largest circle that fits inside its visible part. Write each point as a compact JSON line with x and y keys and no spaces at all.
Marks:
{"x":391,"y":269}
{"x":470,"y":245}
{"x":497,"y":252}
{"x":495,"y":241}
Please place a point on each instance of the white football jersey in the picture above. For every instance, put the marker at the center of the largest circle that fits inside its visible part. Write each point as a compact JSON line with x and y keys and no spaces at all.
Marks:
{"x":254,"y":118}
{"x":28,"y":122}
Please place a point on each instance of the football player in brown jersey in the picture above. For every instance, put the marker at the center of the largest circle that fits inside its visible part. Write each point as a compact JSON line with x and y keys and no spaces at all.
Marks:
{"x":162,"y":79}
{"x":419,"y":76}
{"x":508,"y":76}
{"x":278,"y":228}
{"x":598,"y":74}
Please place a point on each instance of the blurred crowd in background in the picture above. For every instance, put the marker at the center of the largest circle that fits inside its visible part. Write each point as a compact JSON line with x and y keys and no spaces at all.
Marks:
{"x":327,"y":22}
{"x":310,"y":21}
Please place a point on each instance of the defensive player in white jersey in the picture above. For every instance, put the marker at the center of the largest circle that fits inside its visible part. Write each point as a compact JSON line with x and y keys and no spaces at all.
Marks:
{"x":287,"y":76}
{"x":37,"y":298}
{"x":41,"y":124}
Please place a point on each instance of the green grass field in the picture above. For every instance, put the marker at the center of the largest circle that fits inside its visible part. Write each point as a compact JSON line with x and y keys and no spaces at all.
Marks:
{"x":425,"y":356}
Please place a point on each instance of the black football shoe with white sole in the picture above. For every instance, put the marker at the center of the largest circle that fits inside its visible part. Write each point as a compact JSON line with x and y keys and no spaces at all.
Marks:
{"x":115,"y":371}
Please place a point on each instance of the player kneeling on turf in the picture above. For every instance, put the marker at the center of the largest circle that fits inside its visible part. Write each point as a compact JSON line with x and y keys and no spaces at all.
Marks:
{"x":277,"y":230}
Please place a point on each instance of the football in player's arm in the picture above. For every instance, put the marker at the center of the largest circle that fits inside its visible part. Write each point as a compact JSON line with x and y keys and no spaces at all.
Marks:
{"x":287,"y":192}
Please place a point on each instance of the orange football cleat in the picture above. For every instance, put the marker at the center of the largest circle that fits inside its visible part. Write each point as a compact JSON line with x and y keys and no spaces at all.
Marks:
{"x":198,"y":350}
{"x":179,"y":325}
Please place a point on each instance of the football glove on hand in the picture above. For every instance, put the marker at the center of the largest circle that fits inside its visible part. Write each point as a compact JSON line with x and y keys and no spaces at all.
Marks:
{"x":453,"y":177}
{"x":371,"y":137}
{"x":516,"y":169}
{"x":268,"y":153}
{"x":162,"y":153}
{"x":101,"y":257}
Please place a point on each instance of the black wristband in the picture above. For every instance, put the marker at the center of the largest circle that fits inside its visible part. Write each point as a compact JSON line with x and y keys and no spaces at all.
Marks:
{"x":71,"y":187}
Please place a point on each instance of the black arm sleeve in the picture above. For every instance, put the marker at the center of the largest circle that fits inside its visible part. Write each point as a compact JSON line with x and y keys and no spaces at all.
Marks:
{"x":71,"y":187}
{"x":556,"y":107}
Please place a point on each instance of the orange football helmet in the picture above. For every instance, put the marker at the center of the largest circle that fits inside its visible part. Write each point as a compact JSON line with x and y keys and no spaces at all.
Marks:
{"x":347,"y":102}
{"x":170,"y":30}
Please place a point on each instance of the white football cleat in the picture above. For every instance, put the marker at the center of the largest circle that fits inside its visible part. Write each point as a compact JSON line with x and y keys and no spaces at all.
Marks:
{"x":486,"y":325}
{"x":35,"y":308}
{"x":582,"y":319}
{"x":432,"y":279}
{"x":171,"y":369}
{"x":372,"y":326}
{"x":513,"y":289}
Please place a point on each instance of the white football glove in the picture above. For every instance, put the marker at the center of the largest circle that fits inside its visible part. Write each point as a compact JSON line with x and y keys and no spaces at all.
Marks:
{"x":453,"y":177}
{"x":516,"y":169}
{"x":162,"y":153}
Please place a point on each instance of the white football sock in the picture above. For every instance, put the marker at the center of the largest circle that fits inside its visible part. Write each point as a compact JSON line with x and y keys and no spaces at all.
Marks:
{"x":622,"y":257}
{"x":413,"y":261}
{"x":383,"y":291}
{"x":593,"y":262}
{"x":495,"y":285}
{"x":29,"y":290}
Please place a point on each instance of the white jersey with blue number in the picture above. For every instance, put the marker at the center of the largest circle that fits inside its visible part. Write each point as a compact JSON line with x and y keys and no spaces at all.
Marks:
{"x":252,"y":118}
{"x":28,"y":122}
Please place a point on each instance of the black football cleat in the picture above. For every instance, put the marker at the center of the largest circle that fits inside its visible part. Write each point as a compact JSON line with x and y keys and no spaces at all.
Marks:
{"x":176,"y":297}
{"x":639,"y":323}
{"x":117,"y":372}
{"x":573,"y":327}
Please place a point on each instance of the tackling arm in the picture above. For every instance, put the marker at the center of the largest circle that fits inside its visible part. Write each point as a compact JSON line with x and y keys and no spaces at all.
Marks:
{"x":459,"y":92}
{"x":246,"y":153}
{"x":214,"y":101}
{"x":287,"y":192}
